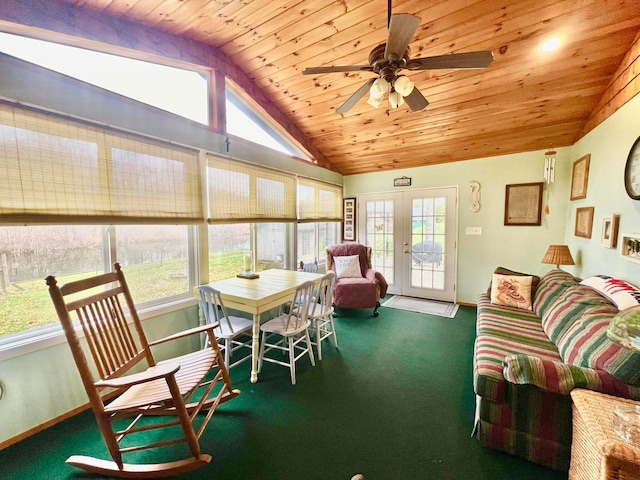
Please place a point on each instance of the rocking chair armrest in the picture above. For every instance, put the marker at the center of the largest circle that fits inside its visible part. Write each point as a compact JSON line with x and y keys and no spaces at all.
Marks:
{"x":152,"y":373}
{"x":186,"y":333}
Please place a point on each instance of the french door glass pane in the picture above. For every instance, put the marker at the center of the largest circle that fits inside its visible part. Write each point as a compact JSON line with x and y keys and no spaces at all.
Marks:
{"x":428,"y":221}
{"x":379,"y":236}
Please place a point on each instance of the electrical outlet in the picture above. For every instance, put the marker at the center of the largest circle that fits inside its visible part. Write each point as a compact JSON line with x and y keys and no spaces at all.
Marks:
{"x":474,"y":231}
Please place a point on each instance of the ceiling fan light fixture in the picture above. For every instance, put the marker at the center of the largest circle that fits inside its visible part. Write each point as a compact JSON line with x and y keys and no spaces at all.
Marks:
{"x":374,"y":101}
{"x":395,"y":99}
{"x":379,"y":88}
{"x":403,"y":85}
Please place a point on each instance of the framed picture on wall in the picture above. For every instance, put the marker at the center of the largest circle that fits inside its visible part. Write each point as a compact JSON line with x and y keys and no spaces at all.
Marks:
{"x":584,"y":222}
{"x":580,"y":178}
{"x":349,"y":222}
{"x":523,"y":204}
{"x":610,"y":225}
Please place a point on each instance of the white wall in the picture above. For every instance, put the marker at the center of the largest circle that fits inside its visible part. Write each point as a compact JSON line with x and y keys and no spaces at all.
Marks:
{"x":522,"y":248}
{"x":517,"y":247}
{"x":609,"y":146}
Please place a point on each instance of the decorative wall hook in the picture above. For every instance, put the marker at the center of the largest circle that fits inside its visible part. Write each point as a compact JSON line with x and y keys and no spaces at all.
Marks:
{"x":475,"y":196}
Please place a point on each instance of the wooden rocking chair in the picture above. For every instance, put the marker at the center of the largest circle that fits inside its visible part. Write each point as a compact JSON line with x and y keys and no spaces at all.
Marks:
{"x":168,"y":394}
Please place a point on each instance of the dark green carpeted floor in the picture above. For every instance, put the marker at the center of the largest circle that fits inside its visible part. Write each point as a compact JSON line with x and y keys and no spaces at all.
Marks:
{"x":394,"y":402}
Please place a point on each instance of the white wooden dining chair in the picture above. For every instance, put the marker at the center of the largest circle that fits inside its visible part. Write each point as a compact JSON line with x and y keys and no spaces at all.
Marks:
{"x":233,"y":332}
{"x":289,"y":332}
{"x":321,"y":313}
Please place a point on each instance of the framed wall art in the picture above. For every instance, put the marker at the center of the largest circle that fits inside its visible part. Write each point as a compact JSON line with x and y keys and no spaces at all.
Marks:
{"x":580,"y":178}
{"x":349,"y":222}
{"x":584,"y":222}
{"x":523,"y":204}
{"x":610,"y":225}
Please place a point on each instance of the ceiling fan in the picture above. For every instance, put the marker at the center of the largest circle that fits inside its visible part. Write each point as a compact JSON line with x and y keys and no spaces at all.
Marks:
{"x":388,"y":59}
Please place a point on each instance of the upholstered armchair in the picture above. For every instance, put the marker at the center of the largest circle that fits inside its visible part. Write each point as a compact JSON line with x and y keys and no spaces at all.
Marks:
{"x":357,"y":284}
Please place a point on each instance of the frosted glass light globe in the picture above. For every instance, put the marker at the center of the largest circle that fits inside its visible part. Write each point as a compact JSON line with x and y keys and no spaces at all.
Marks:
{"x":403,"y":85}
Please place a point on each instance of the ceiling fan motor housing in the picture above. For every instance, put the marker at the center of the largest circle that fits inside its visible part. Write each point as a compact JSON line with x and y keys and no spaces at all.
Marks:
{"x":387,"y":68}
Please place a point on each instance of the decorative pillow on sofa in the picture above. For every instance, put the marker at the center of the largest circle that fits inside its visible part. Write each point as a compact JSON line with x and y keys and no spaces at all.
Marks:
{"x":348,"y":266}
{"x":511,"y":290}
{"x":505,"y":271}
{"x":620,"y":292}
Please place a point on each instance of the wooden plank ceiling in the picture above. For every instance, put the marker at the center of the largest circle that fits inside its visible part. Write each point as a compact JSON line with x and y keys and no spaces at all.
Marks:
{"x":523,"y":101}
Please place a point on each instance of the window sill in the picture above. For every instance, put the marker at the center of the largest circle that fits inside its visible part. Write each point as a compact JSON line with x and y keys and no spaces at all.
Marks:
{"x":31,"y":341}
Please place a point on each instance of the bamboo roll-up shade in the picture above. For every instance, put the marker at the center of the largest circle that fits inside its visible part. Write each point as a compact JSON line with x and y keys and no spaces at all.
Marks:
{"x":240,"y":192}
{"x":319,"y":201}
{"x":57,"y":170}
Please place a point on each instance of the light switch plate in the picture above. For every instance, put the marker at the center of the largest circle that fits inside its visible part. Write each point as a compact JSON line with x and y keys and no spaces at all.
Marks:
{"x":474,"y":231}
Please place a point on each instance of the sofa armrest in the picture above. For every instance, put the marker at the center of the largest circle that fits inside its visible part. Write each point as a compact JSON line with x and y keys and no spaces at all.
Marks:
{"x":377,"y":277}
{"x":561,"y":378}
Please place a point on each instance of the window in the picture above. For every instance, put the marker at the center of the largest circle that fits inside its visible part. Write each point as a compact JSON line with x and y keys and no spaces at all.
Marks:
{"x":176,"y":90}
{"x":314,"y":238}
{"x":154,"y":258}
{"x":268,"y":242}
{"x":244,"y":122}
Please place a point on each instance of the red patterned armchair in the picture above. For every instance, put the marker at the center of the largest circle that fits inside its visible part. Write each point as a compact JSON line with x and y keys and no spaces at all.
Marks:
{"x":357,"y":284}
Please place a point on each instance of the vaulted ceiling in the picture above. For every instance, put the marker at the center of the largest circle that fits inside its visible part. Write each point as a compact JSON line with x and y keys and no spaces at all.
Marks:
{"x":525,"y":100}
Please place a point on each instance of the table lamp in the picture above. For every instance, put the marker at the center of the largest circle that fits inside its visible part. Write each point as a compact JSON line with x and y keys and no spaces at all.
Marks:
{"x":558,"y":255}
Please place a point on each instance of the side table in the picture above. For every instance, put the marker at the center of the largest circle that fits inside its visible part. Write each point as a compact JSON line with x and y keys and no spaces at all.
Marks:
{"x":597,"y":451}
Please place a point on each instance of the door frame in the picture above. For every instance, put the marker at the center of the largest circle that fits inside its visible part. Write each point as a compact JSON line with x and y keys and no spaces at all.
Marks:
{"x":399,"y":199}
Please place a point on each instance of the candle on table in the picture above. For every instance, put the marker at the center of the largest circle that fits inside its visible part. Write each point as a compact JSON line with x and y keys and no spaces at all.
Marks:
{"x":247,"y":262}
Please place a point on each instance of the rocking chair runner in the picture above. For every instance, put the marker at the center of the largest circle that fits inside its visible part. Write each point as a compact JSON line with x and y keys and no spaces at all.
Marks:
{"x":178,"y":388}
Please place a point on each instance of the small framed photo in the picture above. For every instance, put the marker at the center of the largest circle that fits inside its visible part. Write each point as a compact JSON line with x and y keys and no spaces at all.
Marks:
{"x":610,"y":225}
{"x":584,"y":222}
{"x":349,"y":222}
{"x":523,"y":204}
{"x":580,"y":178}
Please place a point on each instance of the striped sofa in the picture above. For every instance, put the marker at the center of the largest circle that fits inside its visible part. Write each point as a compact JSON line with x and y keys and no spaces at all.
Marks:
{"x":527,"y":361}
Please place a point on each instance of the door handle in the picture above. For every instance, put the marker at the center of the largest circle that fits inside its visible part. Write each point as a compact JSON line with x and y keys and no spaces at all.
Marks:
{"x":406,"y":251}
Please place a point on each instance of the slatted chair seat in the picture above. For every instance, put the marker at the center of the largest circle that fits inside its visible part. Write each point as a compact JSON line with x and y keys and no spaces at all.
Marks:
{"x":173,"y":391}
{"x":189,"y":371}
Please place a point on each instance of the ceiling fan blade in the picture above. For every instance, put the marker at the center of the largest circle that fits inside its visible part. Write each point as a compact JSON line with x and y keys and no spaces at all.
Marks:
{"x":353,"y":99}
{"x":402,"y":28}
{"x":416,"y":100}
{"x":345,"y":68}
{"x":454,"y":61}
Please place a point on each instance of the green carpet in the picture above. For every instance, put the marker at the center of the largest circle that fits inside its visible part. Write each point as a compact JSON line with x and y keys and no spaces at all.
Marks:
{"x":394,"y":402}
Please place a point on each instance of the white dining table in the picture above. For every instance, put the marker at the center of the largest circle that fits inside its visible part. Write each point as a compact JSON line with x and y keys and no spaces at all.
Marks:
{"x":273,"y":288}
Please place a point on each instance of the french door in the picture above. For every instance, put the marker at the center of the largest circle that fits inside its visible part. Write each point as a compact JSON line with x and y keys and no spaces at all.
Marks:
{"x":413,"y":237}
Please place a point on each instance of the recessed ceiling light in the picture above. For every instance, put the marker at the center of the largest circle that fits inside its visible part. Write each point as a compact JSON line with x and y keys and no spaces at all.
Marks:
{"x":551,"y":45}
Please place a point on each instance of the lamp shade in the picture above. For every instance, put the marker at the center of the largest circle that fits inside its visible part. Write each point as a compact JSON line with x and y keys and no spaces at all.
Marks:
{"x":558,"y":255}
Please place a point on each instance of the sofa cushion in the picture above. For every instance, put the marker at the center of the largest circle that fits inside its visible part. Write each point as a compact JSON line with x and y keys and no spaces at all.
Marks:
{"x":551,"y":287}
{"x":348,"y":266}
{"x":620,"y":292}
{"x":503,"y":331}
{"x":576,"y":301}
{"x":586,"y":344}
{"x":511,"y":290}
